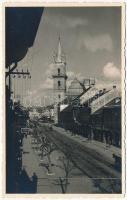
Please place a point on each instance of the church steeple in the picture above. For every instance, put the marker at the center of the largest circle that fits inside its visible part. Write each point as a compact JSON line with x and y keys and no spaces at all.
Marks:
{"x":59,"y":52}
{"x":59,"y":78}
{"x":59,"y":73}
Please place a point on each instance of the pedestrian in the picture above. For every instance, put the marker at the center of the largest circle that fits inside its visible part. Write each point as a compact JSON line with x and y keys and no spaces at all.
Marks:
{"x":89,"y":132}
{"x":25,"y":135}
{"x":111,"y":137}
{"x":117,"y":138}
{"x":107,"y":138}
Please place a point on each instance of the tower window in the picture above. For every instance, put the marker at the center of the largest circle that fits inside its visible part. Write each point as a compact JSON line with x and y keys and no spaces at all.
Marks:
{"x":59,"y":96}
{"x":59,"y":83}
{"x":58,"y":71}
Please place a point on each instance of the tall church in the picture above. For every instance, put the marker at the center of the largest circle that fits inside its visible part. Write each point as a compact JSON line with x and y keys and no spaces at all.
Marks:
{"x":59,"y":76}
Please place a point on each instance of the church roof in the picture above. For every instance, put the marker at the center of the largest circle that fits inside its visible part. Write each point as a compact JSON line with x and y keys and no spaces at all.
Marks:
{"x":75,"y":84}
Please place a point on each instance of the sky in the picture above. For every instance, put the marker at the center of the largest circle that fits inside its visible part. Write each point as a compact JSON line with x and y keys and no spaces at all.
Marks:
{"x":91,"y":40}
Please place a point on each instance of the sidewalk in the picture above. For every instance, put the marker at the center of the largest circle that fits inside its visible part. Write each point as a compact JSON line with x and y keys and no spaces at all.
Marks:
{"x":97,"y":146}
{"x":31,"y":163}
{"x":78,"y":182}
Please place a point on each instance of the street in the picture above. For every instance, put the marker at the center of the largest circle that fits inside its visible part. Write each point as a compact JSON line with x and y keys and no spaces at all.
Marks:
{"x":69,"y":167}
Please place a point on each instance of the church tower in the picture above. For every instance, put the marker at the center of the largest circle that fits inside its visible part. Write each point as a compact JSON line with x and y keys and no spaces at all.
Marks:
{"x":59,"y":76}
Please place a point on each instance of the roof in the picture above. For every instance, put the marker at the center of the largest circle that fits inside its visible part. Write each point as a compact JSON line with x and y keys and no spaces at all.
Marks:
{"x":75,"y":84}
{"x":73,"y":102}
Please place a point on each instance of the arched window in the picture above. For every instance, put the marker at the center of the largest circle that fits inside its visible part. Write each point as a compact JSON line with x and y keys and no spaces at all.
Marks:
{"x":59,"y":83}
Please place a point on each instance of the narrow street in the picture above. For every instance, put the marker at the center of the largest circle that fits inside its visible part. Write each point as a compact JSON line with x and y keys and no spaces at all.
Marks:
{"x":73,"y":167}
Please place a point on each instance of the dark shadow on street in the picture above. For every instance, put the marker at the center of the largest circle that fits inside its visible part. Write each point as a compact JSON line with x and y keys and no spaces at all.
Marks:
{"x":26,"y":184}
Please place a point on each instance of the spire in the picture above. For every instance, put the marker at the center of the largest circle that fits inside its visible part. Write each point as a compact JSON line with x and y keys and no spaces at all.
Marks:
{"x":59,"y":52}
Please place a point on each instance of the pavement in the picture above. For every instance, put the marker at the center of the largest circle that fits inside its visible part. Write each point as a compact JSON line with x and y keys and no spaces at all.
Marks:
{"x":50,"y":183}
{"x":92,"y":157}
{"x":78,"y":182}
{"x":94,"y":145}
{"x":31,"y":163}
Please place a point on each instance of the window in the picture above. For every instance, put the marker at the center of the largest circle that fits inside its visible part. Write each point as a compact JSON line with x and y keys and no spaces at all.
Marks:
{"x":58,"y":71}
{"x":59,"y":96}
{"x":59,"y":83}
